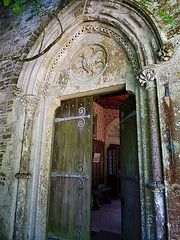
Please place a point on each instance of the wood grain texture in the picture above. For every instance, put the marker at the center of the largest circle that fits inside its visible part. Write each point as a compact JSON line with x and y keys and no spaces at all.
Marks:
{"x":69,"y":205}
{"x":130,"y":194}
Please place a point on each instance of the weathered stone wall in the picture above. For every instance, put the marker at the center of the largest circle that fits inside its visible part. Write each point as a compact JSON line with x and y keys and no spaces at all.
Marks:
{"x":171,"y":9}
{"x":168,"y":75}
{"x":17,"y":35}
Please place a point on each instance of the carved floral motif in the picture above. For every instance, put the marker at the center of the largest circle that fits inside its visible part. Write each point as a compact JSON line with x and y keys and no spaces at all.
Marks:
{"x":89,"y":62}
{"x":89,"y":29}
{"x":145,"y":76}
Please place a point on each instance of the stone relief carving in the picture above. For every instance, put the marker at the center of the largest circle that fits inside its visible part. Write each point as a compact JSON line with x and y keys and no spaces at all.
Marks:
{"x":61,"y":81}
{"x":89,"y":29}
{"x":88,"y":63}
{"x":120,"y":39}
{"x":30,"y":101}
{"x":56,"y":61}
{"x":145,"y":76}
{"x":166,"y":52}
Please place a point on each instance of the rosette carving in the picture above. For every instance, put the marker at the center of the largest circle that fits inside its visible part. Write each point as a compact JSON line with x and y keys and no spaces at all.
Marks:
{"x":88,"y":63}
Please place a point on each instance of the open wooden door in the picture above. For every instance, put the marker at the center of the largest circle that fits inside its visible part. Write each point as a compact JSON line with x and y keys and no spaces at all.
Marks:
{"x":70,"y":190}
{"x":130,"y":192}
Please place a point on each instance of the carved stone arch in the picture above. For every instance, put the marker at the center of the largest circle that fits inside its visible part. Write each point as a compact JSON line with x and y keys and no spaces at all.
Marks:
{"x":126,"y":23}
{"x":132,"y":34}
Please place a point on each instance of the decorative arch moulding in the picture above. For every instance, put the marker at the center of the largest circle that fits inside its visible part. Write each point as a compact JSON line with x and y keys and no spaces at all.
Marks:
{"x":121,"y":25}
{"x":91,"y":28}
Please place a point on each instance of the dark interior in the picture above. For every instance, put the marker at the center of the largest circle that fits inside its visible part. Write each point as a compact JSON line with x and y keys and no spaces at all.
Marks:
{"x":106,"y":204}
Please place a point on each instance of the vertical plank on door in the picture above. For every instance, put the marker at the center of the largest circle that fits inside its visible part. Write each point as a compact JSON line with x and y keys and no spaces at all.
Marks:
{"x":69,"y":204}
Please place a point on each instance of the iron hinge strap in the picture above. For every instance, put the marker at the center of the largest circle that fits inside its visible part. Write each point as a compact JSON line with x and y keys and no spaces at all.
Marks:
{"x":80,"y":176}
{"x":53,"y":236}
{"x":81,"y":117}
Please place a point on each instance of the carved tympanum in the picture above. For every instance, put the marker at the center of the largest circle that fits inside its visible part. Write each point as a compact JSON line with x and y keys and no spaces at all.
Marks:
{"x":145,"y":76}
{"x":88,"y":63}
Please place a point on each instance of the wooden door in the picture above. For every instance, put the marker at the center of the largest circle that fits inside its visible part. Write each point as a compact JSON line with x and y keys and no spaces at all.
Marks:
{"x":70,"y":190}
{"x":130,"y":192}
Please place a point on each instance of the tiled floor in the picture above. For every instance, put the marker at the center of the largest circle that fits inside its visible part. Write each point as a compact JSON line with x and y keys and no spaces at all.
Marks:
{"x":107,"y":219}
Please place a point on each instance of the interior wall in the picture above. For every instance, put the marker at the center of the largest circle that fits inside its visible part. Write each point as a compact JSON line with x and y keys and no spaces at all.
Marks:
{"x":104,"y":118}
{"x":107,"y":130}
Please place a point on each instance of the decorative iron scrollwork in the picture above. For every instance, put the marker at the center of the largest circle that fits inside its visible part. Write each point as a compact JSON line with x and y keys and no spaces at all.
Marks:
{"x":80,"y":183}
{"x":81,"y":117}
{"x":80,"y":176}
{"x":78,"y":234}
{"x":82,"y":112}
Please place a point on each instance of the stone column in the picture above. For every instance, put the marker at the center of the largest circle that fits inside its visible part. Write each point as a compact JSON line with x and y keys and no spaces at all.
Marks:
{"x":147,"y":79}
{"x":30,"y":104}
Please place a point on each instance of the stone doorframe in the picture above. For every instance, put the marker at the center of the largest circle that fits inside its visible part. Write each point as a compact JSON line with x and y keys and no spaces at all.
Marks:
{"x":56,"y":76}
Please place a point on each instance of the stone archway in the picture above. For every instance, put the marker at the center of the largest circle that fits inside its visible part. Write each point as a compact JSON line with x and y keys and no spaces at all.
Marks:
{"x":104,"y":50}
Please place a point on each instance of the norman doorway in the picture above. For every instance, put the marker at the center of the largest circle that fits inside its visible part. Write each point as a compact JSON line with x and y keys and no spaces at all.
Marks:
{"x":82,"y":166}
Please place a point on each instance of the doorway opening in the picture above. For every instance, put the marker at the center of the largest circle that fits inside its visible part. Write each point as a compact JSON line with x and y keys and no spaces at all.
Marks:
{"x":110,"y":178}
{"x":88,"y":170}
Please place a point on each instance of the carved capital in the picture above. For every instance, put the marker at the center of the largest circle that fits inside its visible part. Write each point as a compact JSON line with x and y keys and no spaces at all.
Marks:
{"x":166,"y":52}
{"x":30,"y":101}
{"x":147,"y":75}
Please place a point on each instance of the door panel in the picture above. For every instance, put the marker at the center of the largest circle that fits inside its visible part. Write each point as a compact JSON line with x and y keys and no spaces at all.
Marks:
{"x":130,"y":192}
{"x":70,"y":191}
